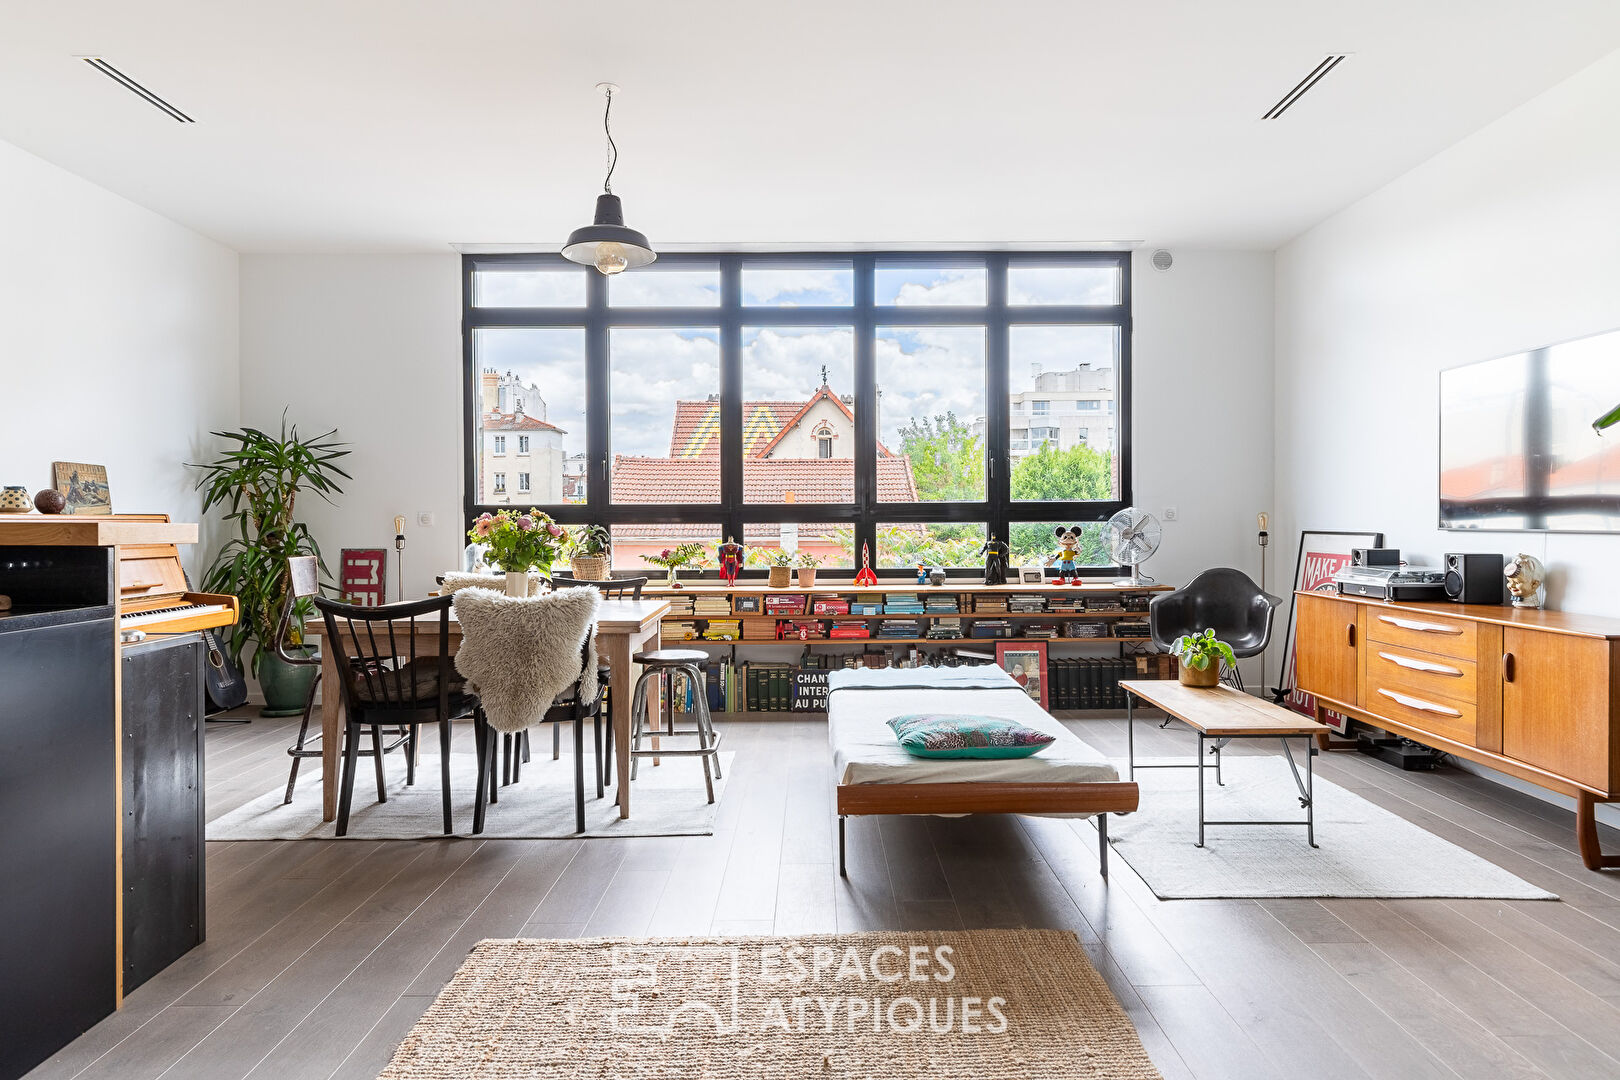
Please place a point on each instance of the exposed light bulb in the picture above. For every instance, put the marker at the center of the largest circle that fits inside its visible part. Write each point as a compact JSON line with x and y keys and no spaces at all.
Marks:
{"x":610,"y":257}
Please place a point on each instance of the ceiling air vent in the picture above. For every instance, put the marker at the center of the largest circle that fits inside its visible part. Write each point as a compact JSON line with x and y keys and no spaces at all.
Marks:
{"x":136,"y":88}
{"x":1317,"y":74}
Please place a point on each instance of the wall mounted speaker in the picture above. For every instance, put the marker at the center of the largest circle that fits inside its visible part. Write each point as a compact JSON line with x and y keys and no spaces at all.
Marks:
{"x":1475,"y":579}
{"x":1163,"y":260}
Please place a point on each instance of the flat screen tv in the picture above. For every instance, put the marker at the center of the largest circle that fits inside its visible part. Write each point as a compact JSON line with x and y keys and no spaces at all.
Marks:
{"x":1520,"y":448}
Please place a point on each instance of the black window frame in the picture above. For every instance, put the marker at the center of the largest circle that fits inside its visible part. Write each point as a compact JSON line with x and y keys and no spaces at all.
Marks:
{"x":997,"y":510}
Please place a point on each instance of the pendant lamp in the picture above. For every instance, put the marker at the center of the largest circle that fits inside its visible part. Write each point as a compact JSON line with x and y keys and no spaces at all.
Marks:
{"x":606,"y":243}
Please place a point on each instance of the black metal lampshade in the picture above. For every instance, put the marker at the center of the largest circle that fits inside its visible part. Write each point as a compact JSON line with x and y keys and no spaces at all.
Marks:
{"x":606,"y":244}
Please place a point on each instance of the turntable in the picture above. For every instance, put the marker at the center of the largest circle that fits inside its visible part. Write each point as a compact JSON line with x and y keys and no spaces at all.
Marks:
{"x":1392,"y":582}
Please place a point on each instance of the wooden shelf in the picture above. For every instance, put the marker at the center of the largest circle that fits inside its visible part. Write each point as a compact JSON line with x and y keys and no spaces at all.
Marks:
{"x":746,"y":588}
{"x":900,"y":641}
{"x":1048,"y":616}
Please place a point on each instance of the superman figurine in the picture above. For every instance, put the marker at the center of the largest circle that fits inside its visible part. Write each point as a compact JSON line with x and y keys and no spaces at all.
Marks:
{"x":731,"y":560}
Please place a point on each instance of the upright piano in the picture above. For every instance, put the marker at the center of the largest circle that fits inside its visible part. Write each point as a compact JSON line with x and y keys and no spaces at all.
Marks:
{"x":101,"y":768}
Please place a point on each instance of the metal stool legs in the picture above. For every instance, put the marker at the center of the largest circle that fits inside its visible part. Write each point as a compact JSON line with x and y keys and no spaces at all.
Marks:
{"x":708,"y":740}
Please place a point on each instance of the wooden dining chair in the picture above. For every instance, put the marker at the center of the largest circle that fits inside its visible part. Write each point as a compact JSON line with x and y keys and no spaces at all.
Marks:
{"x":414,"y":684}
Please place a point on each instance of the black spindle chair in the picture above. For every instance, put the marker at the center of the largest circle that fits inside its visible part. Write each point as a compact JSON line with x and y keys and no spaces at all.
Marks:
{"x":303,"y":584}
{"x":415,"y":684}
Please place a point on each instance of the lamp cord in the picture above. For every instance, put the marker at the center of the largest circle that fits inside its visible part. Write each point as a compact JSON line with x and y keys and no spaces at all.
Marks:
{"x":613,"y":148}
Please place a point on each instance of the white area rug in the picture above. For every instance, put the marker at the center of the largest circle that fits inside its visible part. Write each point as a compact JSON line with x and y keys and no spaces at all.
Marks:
{"x":1365,"y":851}
{"x":665,"y":800}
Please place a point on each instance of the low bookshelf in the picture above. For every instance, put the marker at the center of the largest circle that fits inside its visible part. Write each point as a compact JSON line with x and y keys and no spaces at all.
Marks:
{"x":773,"y":646}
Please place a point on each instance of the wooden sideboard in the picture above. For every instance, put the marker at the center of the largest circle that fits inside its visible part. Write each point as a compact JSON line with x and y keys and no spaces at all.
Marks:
{"x":1534,"y":694}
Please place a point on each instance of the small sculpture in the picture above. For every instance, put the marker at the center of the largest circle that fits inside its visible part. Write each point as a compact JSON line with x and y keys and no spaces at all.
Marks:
{"x":996,"y":553}
{"x":50,"y":501}
{"x":1525,"y":580}
{"x":866,"y":577}
{"x":936,"y":576}
{"x":731,"y":560}
{"x":1068,"y":538}
{"x":922,"y":573}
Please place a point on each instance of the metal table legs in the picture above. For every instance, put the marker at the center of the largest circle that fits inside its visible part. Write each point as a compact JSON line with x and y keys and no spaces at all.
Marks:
{"x":1307,"y":799}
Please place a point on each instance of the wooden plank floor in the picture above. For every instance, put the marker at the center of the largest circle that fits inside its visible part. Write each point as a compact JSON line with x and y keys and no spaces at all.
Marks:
{"x":321,"y":955}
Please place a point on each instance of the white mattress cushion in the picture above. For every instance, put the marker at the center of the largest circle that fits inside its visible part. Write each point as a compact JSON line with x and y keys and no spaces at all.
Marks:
{"x":865,"y":750}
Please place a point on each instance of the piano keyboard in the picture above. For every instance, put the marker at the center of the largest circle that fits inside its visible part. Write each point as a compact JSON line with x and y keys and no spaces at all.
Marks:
{"x":164,"y":614}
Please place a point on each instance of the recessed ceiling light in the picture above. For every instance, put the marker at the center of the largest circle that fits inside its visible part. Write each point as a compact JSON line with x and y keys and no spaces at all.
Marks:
{"x":136,"y":88}
{"x":1318,"y":73}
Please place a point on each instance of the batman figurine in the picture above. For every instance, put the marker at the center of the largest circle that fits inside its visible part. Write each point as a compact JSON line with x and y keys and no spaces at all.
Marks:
{"x":995,"y":554}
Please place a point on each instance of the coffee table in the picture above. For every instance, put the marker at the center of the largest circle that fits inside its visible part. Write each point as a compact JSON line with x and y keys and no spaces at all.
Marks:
{"x":1220,"y":714}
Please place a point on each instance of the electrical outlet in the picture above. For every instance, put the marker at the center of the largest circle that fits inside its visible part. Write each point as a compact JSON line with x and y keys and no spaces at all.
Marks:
{"x":424,"y":518}
{"x":1169,"y":513}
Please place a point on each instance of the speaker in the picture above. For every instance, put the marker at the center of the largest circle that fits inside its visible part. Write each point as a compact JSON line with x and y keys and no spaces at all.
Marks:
{"x":1474,"y":579}
{"x":1375,"y":556}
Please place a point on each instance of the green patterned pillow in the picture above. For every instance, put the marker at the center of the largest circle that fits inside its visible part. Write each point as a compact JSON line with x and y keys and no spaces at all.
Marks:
{"x":963,"y":735}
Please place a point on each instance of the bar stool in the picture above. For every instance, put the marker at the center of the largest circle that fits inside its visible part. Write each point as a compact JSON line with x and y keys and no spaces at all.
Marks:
{"x":654,"y":664}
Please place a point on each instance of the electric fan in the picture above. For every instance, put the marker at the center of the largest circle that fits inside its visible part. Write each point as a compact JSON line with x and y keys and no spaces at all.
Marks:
{"x":1133,"y":536}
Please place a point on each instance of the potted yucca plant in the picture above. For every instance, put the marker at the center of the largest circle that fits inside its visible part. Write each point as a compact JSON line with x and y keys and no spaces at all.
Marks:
{"x":257,"y":479}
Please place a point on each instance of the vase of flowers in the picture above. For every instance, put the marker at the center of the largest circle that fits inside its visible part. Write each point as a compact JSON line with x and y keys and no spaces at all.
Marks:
{"x":781,"y":569}
{"x":520,"y":544}
{"x":807,"y":570}
{"x":590,"y":545}
{"x":1201,"y":656}
{"x":675,"y":558}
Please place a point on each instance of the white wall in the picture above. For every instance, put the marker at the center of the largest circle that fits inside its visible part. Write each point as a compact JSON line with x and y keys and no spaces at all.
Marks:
{"x":1503,"y":242}
{"x":118,"y":340}
{"x":1201,"y":416}
{"x":370,"y":345}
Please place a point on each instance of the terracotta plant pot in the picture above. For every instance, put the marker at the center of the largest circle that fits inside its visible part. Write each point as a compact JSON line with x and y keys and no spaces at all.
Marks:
{"x":807,"y":577}
{"x":1191,"y":676}
{"x":781,"y":577}
{"x":590,"y":567}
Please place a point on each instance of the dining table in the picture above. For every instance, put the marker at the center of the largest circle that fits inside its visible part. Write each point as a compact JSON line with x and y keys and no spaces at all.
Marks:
{"x":623,"y":628}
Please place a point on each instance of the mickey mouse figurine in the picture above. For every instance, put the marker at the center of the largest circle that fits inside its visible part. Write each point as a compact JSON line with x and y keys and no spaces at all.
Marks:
{"x":731,"y":560}
{"x":1068,"y":544}
{"x":996,"y":553}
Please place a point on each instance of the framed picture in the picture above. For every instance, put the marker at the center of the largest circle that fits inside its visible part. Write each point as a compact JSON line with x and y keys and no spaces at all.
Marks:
{"x":363,"y":576}
{"x":85,"y":486}
{"x":1321,"y":555}
{"x":1025,"y":661}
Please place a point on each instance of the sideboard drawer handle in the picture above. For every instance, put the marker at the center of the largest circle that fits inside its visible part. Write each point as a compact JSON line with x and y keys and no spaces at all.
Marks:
{"x":1421,"y":665}
{"x":1426,"y":627}
{"x":1418,"y":703}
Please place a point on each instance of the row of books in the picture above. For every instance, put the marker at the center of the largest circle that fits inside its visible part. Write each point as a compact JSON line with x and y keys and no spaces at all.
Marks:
{"x":1088,"y":682}
{"x":939,"y":627}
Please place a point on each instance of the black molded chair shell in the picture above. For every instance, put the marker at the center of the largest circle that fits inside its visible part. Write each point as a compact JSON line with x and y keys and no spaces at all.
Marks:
{"x":1225,"y":600}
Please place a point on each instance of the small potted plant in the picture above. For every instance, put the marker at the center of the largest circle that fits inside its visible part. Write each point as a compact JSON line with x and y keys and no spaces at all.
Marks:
{"x":520,"y":544}
{"x":675,"y":558}
{"x":781,"y":563}
{"x":807,"y":570}
{"x":1201,"y":656}
{"x":590,"y":546}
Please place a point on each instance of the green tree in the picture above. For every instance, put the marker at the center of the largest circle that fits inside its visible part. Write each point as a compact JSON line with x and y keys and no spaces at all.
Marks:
{"x":1049,"y":474}
{"x":947,"y":459}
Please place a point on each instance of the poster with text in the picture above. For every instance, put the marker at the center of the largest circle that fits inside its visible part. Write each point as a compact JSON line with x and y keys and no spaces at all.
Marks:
{"x":1321,"y":555}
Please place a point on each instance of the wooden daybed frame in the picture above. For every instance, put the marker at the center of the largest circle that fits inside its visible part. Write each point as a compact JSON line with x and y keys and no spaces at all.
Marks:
{"x":1099,"y":797}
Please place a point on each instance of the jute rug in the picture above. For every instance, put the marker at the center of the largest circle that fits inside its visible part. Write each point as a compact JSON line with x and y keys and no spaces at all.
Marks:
{"x":665,"y":800}
{"x":1365,"y":851}
{"x":975,"y":1005}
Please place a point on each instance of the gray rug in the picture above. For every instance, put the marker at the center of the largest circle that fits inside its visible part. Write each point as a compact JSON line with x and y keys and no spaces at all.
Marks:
{"x":665,"y":800}
{"x":1365,"y":851}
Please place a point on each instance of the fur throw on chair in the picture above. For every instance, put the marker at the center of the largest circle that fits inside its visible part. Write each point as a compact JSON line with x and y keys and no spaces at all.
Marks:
{"x":521,"y":653}
{"x":454,"y":582}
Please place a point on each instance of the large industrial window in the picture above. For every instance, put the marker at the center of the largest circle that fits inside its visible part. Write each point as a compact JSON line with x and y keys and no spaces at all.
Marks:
{"x":906,"y":403}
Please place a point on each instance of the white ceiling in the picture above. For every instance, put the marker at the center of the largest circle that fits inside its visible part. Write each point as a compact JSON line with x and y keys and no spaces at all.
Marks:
{"x":413,"y":125}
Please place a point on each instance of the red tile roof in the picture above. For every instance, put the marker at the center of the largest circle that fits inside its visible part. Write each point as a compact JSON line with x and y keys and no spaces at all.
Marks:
{"x":696,"y":432}
{"x":497,"y":421}
{"x":767,"y":480}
